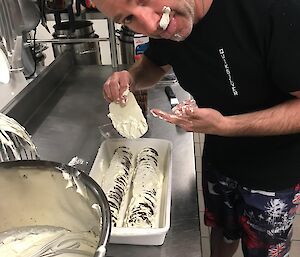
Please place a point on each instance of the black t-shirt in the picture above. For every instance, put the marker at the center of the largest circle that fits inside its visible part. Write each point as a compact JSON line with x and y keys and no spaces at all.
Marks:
{"x":243,"y":56}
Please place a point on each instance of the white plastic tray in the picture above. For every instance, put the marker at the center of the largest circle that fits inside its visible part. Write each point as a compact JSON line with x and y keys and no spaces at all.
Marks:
{"x":139,"y":236}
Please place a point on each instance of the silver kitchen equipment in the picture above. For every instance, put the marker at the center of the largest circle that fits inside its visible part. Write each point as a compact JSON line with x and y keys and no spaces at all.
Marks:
{"x":128,"y":50}
{"x":15,"y":142}
{"x":40,"y":195}
{"x":86,"y":53}
{"x":126,"y":37}
{"x":17,"y":18}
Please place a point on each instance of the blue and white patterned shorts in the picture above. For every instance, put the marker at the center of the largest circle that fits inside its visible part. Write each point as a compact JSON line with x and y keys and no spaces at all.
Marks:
{"x":262,"y":220}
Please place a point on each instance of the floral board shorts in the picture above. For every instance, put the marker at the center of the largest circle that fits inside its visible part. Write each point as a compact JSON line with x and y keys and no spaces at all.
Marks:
{"x":262,"y":220}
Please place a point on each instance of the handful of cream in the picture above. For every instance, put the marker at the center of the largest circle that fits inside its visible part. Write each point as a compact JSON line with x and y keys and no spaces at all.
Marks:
{"x":128,"y":119}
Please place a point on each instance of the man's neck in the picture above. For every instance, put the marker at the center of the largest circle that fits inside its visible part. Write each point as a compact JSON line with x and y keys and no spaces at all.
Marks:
{"x":201,"y":9}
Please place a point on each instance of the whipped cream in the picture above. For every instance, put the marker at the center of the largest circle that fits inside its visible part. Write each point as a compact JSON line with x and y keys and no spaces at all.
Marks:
{"x":128,"y":119}
{"x":72,"y":181}
{"x":11,"y":130}
{"x":165,"y":19}
{"x":44,"y":241}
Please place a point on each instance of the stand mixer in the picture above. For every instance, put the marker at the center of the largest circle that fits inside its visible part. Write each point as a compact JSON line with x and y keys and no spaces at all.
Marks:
{"x":19,"y":18}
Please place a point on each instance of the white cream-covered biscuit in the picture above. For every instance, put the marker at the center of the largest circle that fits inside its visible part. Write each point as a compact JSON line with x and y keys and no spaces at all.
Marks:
{"x":165,"y":19}
{"x":128,"y":119}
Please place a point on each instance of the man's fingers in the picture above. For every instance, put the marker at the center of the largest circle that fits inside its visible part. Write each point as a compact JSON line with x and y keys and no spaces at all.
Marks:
{"x":107,"y":91}
{"x":113,"y":92}
{"x":124,"y":90}
{"x":171,"y":118}
{"x":106,"y":97}
{"x":163,"y":115}
{"x":159,"y":114}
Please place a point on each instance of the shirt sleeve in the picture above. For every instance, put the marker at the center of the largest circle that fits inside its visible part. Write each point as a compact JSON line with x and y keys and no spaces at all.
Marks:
{"x":158,"y":52}
{"x":284,"y":50}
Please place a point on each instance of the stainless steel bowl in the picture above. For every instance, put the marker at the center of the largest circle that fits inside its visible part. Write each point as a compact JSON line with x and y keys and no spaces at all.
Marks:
{"x":43,"y":194}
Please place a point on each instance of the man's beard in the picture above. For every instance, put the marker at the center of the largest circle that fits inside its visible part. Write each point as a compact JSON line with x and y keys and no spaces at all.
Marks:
{"x":177,"y":37}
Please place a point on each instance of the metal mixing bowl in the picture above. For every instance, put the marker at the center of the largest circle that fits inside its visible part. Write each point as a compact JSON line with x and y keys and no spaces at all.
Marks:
{"x":34,"y":194}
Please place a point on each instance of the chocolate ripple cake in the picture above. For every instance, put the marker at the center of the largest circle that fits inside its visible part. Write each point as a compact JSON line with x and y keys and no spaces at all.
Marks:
{"x":116,"y":183}
{"x":143,"y":209}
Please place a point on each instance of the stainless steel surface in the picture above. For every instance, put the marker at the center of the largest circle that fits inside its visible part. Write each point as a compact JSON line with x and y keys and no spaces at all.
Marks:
{"x":87,"y":16}
{"x":23,"y":105}
{"x":68,"y":40}
{"x":83,"y":29}
{"x":36,"y":196}
{"x":66,"y":125}
{"x":126,"y":37}
{"x":113,"y":44}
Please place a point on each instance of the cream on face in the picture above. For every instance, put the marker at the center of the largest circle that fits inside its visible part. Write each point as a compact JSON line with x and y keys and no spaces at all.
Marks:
{"x":165,"y":19}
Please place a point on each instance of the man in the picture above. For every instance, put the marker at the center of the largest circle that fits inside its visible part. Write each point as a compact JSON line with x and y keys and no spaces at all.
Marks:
{"x":239,"y":60}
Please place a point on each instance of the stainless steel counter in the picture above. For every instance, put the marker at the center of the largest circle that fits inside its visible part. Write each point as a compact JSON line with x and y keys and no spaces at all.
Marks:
{"x":66,"y":125}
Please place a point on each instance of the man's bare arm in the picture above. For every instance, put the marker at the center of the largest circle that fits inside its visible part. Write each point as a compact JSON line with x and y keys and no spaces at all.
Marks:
{"x":281,"y":119}
{"x":143,"y":74}
{"x":278,"y":120}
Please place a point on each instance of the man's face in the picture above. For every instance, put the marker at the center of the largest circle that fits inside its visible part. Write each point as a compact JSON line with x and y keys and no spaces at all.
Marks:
{"x":143,"y":16}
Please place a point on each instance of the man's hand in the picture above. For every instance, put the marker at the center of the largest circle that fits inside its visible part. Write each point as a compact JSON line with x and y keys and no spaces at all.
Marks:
{"x":116,"y":85}
{"x":280,"y":119}
{"x":192,"y":118}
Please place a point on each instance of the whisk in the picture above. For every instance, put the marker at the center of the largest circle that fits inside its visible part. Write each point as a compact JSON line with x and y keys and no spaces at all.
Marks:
{"x":15,"y":142}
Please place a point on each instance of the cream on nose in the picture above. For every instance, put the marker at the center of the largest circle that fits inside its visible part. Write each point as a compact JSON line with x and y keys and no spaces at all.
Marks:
{"x":165,"y":18}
